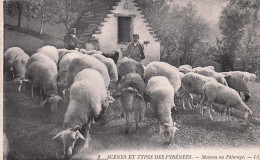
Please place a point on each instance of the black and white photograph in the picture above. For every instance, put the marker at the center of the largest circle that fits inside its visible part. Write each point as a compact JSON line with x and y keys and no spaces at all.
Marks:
{"x":130,"y":79}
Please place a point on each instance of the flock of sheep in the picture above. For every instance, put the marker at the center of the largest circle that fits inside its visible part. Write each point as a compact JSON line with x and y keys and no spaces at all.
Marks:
{"x":81,"y":78}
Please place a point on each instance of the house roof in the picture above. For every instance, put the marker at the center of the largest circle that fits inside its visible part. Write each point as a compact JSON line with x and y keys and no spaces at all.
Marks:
{"x":90,"y":21}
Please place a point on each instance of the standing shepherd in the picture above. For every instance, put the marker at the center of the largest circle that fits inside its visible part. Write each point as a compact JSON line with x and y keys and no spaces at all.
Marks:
{"x":135,"y":50}
{"x":71,"y":41}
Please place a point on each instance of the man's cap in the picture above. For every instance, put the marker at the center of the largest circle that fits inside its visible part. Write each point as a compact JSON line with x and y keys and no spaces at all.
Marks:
{"x":135,"y":35}
{"x":73,"y":29}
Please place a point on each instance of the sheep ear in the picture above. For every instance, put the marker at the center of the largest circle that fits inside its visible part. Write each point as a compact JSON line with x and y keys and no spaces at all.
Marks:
{"x":17,"y":79}
{"x":80,"y":135}
{"x":117,"y":95}
{"x":139,"y":96}
{"x":25,"y":80}
{"x":57,"y":135}
{"x":59,"y":98}
{"x":76,"y":128}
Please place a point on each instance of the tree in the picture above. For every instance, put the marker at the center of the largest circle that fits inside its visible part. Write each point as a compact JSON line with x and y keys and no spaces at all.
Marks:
{"x":182,"y":30}
{"x":192,"y":30}
{"x":67,"y":11}
{"x":14,"y":8}
{"x":250,"y":42}
{"x":31,"y":11}
{"x":233,"y":21}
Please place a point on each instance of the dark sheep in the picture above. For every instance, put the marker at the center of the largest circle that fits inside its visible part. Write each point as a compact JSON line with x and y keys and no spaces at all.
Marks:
{"x":114,"y":56}
{"x":131,"y":95}
{"x":239,"y":85}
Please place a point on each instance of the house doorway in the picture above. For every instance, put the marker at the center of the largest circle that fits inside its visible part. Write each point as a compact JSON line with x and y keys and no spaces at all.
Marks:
{"x":124,"y":29}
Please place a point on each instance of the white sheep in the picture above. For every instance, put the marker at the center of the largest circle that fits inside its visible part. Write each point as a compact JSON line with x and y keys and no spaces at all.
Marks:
{"x":93,"y":75}
{"x":163,"y":69}
{"x":9,"y":57}
{"x":211,"y":73}
{"x":131,"y":95}
{"x":214,"y":92}
{"x":237,"y":74}
{"x":63,"y":51}
{"x":196,"y":69}
{"x":192,"y":83}
{"x":210,"y":67}
{"x":110,"y":64}
{"x":160,"y":94}
{"x":63,"y":66}
{"x":181,"y":75}
{"x":246,"y":77}
{"x":51,"y":52}
{"x":43,"y":75}
{"x":129,"y":65}
{"x":185,"y":68}
{"x":83,"y":62}
{"x":90,"y":52}
{"x":252,"y":78}
{"x":19,"y":69}
{"x":86,"y":97}
{"x":40,"y":57}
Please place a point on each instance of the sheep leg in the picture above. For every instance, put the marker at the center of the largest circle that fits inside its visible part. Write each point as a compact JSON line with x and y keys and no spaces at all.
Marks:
{"x":87,"y":135}
{"x":136,"y":121}
{"x":41,"y":97}
{"x":20,"y":88}
{"x":127,"y":122}
{"x":190,"y":101}
{"x":141,"y":112}
{"x":202,"y":104}
{"x":122,"y":115}
{"x":32,"y":90}
{"x":183,"y":101}
{"x":160,"y":127}
{"x":209,"y":107}
{"x":229,"y":118}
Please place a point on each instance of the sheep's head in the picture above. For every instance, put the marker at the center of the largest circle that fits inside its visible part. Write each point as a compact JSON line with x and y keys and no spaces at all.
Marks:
{"x":247,"y":96}
{"x":69,"y":137}
{"x":52,"y":102}
{"x":168,"y":132}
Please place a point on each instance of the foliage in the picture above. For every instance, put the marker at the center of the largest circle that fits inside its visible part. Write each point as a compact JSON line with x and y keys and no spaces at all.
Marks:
{"x":182,"y":32}
{"x":47,"y":11}
{"x":67,"y":11}
{"x":238,"y":24}
{"x":14,"y":8}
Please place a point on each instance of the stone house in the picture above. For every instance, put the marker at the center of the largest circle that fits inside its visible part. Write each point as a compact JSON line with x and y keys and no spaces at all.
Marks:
{"x":108,"y":26}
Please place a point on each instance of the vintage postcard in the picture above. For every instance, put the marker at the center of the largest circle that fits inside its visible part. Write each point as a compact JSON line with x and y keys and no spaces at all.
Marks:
{"x":130,"y":79}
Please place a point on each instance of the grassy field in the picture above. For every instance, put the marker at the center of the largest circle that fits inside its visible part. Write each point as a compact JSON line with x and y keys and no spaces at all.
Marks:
{"x":30,"y":129}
